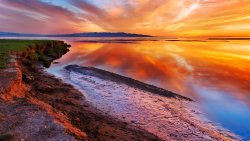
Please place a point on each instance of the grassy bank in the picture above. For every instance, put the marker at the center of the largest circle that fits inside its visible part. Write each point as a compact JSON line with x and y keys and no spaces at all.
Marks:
{"x":33,"y":49}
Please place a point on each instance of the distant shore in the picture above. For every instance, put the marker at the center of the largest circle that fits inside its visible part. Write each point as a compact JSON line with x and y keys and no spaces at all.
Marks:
{"x":84,"y":34}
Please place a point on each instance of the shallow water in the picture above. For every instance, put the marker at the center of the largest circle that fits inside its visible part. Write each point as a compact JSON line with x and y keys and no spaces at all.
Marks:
{"x":216,"y":74}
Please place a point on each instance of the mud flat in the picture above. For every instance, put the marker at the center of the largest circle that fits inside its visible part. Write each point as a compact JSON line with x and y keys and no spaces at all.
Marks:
{"x":158,"y":111}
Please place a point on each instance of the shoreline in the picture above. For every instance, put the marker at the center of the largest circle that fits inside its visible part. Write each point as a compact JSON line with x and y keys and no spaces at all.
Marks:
{"x":46,"y":108}
{"x":65,"y":110}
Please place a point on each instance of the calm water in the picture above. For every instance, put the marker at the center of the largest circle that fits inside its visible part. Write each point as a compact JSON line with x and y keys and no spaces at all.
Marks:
{"x":216,"y":74}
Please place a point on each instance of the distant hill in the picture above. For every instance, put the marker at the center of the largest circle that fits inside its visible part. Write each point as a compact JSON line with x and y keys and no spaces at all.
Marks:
{"x":84,"y":34}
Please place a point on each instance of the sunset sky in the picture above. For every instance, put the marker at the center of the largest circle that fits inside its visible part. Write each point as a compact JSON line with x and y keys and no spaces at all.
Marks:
{"x":171,"y":18}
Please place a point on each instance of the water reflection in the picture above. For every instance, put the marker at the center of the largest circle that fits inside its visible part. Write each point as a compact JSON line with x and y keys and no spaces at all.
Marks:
{"x":215,"y":73}
{"x":171,"y":64}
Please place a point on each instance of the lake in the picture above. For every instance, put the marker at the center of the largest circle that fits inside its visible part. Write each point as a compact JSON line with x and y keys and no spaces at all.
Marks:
{"x":216,"y":74}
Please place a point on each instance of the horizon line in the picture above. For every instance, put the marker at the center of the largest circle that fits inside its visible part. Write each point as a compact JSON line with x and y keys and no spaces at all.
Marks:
{"x":170,"y":37}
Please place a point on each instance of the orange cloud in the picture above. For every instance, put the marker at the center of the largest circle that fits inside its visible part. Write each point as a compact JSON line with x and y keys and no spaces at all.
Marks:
{"x":182,"y":18}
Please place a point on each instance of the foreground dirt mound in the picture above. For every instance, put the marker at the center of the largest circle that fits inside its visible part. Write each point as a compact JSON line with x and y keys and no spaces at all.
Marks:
{"x":23,"y":120}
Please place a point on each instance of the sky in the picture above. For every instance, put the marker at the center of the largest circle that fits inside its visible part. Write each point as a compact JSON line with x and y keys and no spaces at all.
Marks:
{"x":171,"y":18}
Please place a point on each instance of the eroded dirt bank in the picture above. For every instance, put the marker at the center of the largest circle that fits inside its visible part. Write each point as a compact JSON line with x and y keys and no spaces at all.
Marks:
{"x":37,"y":106}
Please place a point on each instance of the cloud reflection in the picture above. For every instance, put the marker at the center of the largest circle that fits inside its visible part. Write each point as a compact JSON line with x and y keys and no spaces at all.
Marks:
{"x":176,"y":66}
